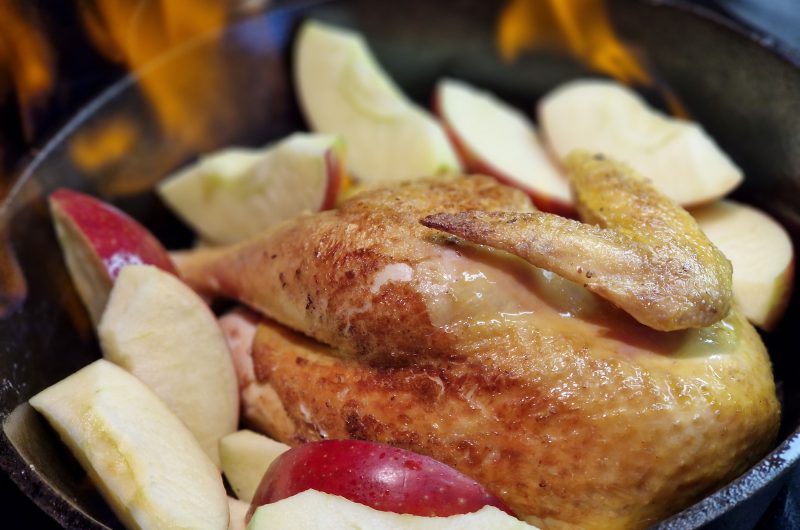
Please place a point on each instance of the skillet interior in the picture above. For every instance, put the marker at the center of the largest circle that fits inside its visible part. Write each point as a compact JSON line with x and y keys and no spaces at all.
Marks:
{"x":746,"y":96}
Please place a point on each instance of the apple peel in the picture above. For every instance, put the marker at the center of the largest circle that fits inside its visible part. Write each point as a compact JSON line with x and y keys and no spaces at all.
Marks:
{"x":495,"y":139}
{"x":98,"y":240}
{"x":378,"y":475}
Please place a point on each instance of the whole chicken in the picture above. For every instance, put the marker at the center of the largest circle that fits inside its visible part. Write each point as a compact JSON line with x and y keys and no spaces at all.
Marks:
{"x":558,"y":396}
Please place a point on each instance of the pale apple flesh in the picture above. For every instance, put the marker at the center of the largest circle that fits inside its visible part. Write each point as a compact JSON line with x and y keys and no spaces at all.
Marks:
{"x":762,"y":255}
{"x":238,"y":511}
{"x":235,"y":194}
{"x":603,"y":116}
{"x":245,"y":456}
{"x":312,"y":510}
{"x":98,"y":240}
{"x":497,"y":140}
{"x":343,"y":90}
{"x":158,"y":329}
{"x":143,"y":459}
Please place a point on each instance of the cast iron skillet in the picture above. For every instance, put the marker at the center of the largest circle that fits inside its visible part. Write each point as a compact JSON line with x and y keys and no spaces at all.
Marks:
{"x":743,"y":91}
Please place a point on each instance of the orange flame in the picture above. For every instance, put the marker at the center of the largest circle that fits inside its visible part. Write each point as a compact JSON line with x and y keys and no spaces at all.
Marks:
{"x":25,"y":55}
{"x":187,"y":98}
{"x":136,"y":33}
{"x":92,"y":149}
{"x":584,"y":30}
{"x":13,"y":287}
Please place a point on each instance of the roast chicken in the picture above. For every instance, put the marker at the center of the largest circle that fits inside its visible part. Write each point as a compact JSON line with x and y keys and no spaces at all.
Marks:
{"x":527,"y":351}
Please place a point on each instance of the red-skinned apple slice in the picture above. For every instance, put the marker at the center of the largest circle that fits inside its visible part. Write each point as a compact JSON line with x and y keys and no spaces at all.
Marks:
{"x":234,"y":194}
{"x":495,"y":139}
{"x":383,"y":477}
{"x":762,"y":256}
{"x":98,"y":240}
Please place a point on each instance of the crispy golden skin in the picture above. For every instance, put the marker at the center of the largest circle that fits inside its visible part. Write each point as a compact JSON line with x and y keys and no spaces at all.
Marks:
{"x":567,"y":408}
{"x":642,"y":251}
{"x":629,"y":445}
{"x":338,"y":276}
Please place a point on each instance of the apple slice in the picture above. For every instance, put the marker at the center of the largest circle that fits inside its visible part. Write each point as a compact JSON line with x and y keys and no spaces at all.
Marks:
{"x":603,"y":116}
{"x":245,"y":456}
{"x":343,"y":90}
{"x":158,"y":329}
{"x":238,"y":512}
{"x":495,"y":139}
{"x":98,"y":240}
{"x":145,"y":462}
{"x":378,"y":475}
{"x":312,"y":510}
{"x":235,"y":194}
{"x":762,"y":257}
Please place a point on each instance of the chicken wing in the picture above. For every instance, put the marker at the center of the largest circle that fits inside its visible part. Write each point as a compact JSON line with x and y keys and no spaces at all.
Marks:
{"x":642,"y":251}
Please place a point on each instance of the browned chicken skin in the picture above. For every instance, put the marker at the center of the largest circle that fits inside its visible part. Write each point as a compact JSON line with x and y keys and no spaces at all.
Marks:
{"x":642,"y":251}
{"x":568,"y":409}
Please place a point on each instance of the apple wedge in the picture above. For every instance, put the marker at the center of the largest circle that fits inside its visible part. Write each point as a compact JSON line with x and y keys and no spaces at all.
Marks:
{"x":343,"y":90}
{"x":762,"y":257}
{"x":496,"y":139}
{"x":245,"y":456}
{"x":234,"y":194}
{"x":312,"y":510}
{"x":603,"y":116}
{"x":378,"y":475}
{"x":158,"y":329}
{"x":98,"y":240}
{"x":238,"y":512}
{"x":145,"y":462}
